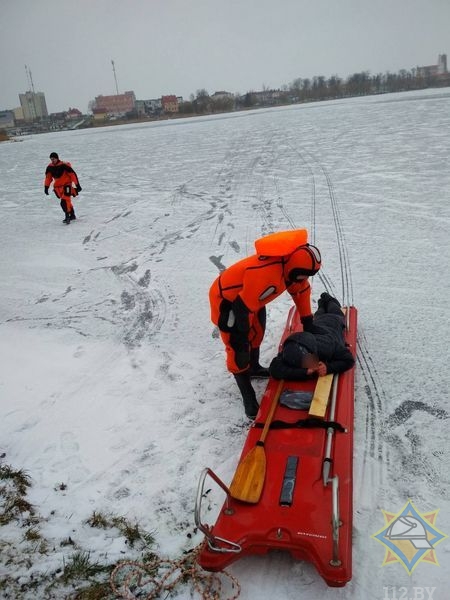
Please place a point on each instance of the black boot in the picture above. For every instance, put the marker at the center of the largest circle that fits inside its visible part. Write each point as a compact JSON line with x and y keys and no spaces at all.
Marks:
{"x":323,"y":300}
{"x":256,"y":370}
{"x":67,"y":219}
{"x":72,"y":215}
{"x":251,"y":407}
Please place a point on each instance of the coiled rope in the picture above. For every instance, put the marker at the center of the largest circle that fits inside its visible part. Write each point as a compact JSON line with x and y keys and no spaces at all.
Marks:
{"x":148,"y":581}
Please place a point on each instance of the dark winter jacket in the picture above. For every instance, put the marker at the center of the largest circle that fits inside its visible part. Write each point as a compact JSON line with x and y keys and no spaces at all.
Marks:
{"x":325,"y":339}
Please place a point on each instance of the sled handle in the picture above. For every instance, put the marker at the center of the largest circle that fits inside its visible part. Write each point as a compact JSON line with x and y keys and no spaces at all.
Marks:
{"x":228,"y":546}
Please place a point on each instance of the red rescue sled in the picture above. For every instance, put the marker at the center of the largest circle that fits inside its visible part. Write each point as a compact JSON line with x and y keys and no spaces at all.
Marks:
{"x":305,"y":507}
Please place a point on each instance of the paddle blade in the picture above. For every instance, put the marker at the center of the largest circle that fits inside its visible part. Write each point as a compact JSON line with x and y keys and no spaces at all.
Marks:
{"x":248,"y":481}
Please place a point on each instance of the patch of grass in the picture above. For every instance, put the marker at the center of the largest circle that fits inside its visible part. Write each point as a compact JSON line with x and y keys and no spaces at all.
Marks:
{"x":15,"y":484}
{"x":98,"y":520}
{"x":80,"y":567}
{"x":149,"y":557}
{"x":12,"y":506}
{"x":32,"y":535}
{"x":96,"y":591}
{"x":32,"y":520}
{"x":21,"y":479}
{"x":132,"y":532}
{"x":80,"y":577}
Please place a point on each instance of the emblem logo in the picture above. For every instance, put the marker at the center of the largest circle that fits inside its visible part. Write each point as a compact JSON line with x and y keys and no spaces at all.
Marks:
{"x":410,"y":537}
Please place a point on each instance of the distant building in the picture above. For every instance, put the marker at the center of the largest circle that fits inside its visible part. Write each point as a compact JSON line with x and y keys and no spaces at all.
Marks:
{"x":267,"y":97}
{"x":18,"y":113}
{"x":434,"y":70}
{"x":221,"y":95}
{"x":118,"y":105}
{"x":73,"y":113}
{"x":169,"y":104}
{"x":58,"y":116}
{"x":148,"y":107}
{"x":99,"y":114}
{"x":6,"y":119}
{"x":33,"y":105}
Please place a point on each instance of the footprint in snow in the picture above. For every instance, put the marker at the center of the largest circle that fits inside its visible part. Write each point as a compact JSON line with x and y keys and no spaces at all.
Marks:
{"x":70,"y":468}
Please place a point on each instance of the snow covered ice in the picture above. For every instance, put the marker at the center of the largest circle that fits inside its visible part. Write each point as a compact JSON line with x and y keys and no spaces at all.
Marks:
{"x":112,"y":380}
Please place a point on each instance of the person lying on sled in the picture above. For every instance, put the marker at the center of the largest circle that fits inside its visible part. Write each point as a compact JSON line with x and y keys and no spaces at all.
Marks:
{"x":319,"y":351}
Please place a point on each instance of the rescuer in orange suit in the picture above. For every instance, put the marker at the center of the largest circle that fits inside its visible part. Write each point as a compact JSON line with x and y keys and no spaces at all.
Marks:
{"x":284,"y":261}
{"x":65,"y":184}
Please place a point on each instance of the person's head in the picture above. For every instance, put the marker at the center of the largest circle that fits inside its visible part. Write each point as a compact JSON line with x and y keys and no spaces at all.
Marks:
{"x":300,"y":350}
{"x":304,"y":262}
{"x":54,"y":157}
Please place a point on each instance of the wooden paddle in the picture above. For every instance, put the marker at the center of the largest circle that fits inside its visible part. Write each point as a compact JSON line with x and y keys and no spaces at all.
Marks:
{"x":248,"y":481}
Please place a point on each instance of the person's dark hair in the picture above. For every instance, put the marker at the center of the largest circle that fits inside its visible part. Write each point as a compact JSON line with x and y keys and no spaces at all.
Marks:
{"x":293,"y":354}
{"x":54,"y":155}
{"x":297,"y":346}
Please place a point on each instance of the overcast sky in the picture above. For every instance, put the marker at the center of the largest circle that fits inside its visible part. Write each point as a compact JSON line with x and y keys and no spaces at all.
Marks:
{"x":180,"y":46}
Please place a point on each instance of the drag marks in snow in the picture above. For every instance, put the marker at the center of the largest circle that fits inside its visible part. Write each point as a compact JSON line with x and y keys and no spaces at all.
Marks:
{"x":406,"y":409}
{"x":144,"y":308}
{"x":410,"y":434}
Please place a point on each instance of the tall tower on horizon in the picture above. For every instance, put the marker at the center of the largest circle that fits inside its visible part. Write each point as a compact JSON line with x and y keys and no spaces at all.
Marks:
{"x":115,"y":78}
{"x":33,"y":104}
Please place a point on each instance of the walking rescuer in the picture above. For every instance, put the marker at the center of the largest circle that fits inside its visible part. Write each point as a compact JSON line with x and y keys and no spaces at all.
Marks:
{"x":65,"y":184}
{"x":319,"y":351}
{"x":238,"y":297}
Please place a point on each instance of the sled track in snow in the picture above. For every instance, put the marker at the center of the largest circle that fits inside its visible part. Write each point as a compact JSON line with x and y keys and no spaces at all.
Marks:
{"x":380,"y":438}
{"x":346,"y":280}
{"x":281,"y":206}
{"x":312,"y":176}
{"x":375,"y":450}
{"x":347,"y":286}
{"x":374,"y":445}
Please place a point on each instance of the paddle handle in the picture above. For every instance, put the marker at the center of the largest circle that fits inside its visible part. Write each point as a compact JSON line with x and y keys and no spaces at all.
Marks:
{"x":273,"y":406}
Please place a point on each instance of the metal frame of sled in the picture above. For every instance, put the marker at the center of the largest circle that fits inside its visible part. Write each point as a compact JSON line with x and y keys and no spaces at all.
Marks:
{"x":317,"y":525}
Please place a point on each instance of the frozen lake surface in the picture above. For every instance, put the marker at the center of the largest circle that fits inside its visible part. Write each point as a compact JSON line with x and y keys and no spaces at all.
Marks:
{"x":111,"y":379}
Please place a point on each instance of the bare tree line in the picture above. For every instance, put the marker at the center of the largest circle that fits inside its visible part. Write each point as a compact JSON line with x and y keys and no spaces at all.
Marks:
{"x":315,"y":89}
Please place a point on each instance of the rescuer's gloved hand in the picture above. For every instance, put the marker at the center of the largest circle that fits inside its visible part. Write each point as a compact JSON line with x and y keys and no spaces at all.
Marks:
{"x":46,"y":190}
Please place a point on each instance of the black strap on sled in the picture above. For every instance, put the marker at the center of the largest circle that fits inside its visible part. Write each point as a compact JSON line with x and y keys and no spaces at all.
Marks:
{"x":304,"y":424}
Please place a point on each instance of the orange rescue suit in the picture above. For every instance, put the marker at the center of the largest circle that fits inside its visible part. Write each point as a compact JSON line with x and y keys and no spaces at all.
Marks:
{"x":63,"y":176}
{"x":238,"y":298}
